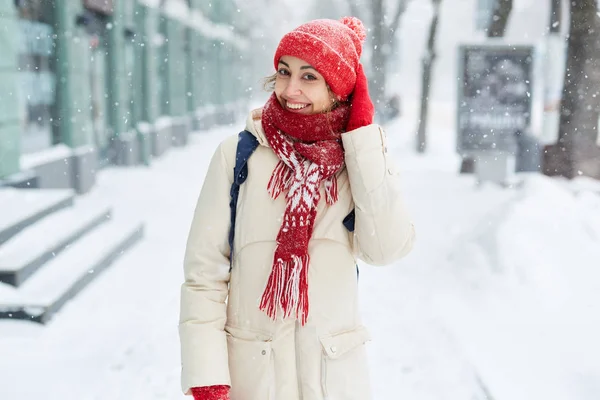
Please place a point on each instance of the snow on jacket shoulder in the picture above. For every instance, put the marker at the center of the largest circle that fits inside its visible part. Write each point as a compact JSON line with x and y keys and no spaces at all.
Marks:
{"x":225,"y":338}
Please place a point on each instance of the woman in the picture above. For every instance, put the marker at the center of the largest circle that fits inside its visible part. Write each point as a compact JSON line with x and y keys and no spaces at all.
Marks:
{"x":282,"y":322}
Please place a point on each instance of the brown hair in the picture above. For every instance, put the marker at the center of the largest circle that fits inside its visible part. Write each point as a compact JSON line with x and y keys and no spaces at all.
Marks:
{"x":269,"y":82}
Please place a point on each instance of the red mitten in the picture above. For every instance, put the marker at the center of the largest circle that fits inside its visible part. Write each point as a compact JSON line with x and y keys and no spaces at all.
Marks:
{"x":217,"y":392}
{"x":362,"y":111}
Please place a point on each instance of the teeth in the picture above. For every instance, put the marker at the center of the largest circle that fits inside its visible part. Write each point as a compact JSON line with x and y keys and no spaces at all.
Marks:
{"x":296,"y":106}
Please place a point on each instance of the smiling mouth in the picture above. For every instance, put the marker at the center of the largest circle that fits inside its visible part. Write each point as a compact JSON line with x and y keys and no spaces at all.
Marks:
{"x":296,"y":107}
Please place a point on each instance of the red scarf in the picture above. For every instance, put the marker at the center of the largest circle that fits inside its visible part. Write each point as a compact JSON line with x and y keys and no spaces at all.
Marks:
{"x":310,"y":152}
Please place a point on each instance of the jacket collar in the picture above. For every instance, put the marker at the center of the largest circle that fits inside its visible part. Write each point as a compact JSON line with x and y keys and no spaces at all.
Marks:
{"x":254,"y":126}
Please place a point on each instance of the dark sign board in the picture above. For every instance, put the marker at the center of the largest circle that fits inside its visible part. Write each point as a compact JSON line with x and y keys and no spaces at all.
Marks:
{"x":494,"y":96}
{"x":101,"y":6}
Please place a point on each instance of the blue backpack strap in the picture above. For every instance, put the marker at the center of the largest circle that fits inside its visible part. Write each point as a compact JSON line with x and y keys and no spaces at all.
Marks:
{"x":247,"y":143}
{"x":349,"y":221}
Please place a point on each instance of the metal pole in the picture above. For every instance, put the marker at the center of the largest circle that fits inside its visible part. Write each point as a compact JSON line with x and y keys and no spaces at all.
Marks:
{"x":554,"y":68}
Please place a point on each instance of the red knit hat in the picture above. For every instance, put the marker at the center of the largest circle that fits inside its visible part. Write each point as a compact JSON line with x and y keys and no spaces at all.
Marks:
{"x":332,"y":47}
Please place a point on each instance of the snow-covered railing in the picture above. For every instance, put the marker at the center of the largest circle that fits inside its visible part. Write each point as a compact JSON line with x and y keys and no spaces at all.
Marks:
{"x":196,"y":20}
{"x":223,"y":32}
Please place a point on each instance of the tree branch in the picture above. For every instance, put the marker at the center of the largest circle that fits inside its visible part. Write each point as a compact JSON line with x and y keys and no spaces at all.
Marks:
{"x":402,"y":5}
{"x":499,"y":19}
{"x":428,"y":60}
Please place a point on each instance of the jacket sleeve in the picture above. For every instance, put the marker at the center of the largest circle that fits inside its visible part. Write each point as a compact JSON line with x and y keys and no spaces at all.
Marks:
{"x":204,"y":358}
{"x":383,"y":230}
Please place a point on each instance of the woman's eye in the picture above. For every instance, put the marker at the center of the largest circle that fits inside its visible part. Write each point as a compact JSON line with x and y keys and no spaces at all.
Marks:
{"x":310,"y":77}
{"x":283,"y":72}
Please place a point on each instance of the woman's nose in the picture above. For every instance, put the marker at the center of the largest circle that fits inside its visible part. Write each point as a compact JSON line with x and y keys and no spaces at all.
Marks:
{"x":292,"y":88}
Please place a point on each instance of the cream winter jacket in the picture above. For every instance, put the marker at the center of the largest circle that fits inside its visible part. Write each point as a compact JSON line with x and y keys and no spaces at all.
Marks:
{"x":225,"y":338}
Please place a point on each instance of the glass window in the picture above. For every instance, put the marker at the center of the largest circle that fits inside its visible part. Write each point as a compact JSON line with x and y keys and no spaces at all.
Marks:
{"x":36,"y":71}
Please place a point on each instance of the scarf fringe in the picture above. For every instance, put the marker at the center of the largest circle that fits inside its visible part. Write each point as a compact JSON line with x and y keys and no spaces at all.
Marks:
{"x":274,"y":290}
{"x":287,"y":288}
{"x":331,"y":190}
{"x":280,"y":180}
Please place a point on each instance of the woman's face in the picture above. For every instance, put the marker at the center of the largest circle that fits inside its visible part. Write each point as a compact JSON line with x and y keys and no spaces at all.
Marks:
{"x":300,"y":88}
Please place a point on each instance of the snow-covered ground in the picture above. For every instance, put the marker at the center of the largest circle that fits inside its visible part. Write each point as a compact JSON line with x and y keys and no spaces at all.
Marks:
{"x":499,"y":297}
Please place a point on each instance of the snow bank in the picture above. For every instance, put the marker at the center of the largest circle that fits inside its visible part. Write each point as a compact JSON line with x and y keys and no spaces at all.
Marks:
{"x":546,"y":238}
{"x":525,"y":307}
{"x":51,"y":154}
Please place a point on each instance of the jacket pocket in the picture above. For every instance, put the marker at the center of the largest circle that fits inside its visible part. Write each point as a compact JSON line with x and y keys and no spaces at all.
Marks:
{"x":250,"y":364}
{"x":344,"y":369}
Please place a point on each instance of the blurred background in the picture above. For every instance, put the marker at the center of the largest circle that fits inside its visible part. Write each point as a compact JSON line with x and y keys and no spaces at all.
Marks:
{"x":111,"y":109}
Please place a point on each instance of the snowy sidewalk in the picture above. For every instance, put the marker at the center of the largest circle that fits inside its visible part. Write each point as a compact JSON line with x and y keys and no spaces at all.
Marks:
{"x":118,"y":338}
{"x":445,"y":324}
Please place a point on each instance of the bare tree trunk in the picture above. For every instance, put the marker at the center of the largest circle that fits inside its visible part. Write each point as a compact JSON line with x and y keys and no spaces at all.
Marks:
{"x":395,"y":22}
{"x":577,"y":151}
{"x":383,"y":40}
{"x":499,"y":19}
{"x":394,"y":25}
{"x":377,"y":83}
{"x":555,"y":16}
{"x":428,"y":61}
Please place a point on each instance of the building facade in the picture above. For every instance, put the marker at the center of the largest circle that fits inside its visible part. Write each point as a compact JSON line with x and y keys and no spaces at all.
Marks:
{"x":90,"y":83}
